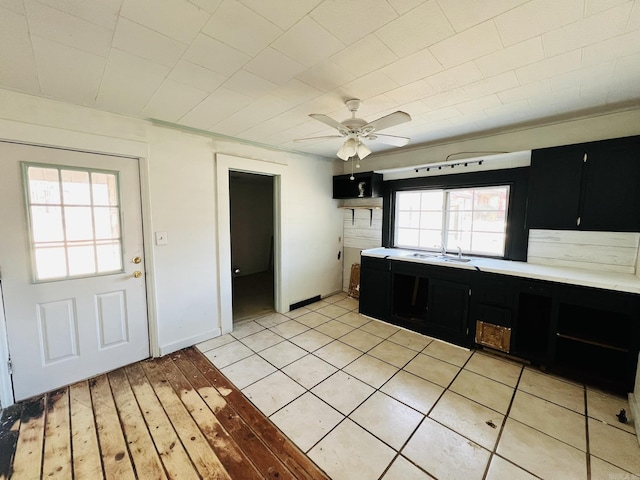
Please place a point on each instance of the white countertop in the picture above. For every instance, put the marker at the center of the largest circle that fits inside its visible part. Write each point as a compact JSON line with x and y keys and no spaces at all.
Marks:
{"x":623,"y":282}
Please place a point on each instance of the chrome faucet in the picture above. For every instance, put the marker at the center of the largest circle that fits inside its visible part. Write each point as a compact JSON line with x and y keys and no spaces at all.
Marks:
{"x":443,"y":250}
{"x":459,"y":252}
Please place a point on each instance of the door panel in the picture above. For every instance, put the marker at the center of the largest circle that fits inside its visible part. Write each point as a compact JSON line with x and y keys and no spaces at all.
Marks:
{"x":63,"y":331}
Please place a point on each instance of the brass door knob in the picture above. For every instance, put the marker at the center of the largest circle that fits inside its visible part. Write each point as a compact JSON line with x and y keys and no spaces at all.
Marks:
{"x":137,"y":260}
{"x":137,"y":274}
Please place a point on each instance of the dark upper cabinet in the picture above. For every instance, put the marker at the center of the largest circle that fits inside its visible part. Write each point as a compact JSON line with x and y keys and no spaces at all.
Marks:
{"x":364,"y":185}
{"x":590,"y":186}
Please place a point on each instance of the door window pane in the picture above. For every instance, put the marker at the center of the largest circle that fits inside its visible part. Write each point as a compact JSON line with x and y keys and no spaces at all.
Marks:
{"x":74,"y":217}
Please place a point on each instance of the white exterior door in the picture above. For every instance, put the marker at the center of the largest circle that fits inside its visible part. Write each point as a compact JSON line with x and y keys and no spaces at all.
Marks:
{"x":71,"y":234}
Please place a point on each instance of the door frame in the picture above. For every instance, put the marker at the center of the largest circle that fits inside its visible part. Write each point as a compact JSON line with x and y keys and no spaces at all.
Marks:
{"x":224,"y":164}
{"x":46,"y":136}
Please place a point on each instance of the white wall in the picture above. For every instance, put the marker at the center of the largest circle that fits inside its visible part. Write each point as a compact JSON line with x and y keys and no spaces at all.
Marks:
{"x":180,"y":197}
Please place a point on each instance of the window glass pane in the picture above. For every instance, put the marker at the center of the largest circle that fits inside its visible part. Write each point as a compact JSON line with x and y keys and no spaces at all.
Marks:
{"x":109,"y":257}
{"x":431,"y":239}
{"x":75,"y":187}
{"x":490,"y":199}
{"x":51,"y":262}
{"x":81,"y":260}
{"x":78,"y":223}
{"x":46,"y":224}
{"x":407,"y":237}
{"x":409,"y":219}
{"x":104,"y":189}
{"x":408,"y":201}
{"x":44,"y":186}
{"x":462,"y":220}
{"x":107,"y":222}
{"x":457,"y":238}
{"x":432,"y":220}
{"x":488,"y":243}
{"x":460,"y":199}
{"x":432,"y":200}
{"x":71,"y":235}
{"x":489,"y":221}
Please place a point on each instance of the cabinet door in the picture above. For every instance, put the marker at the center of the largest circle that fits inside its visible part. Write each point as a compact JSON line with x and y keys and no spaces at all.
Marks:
{"x":554,"y":188}
{"x":611,"y":195}
{"x":448,"y":309}
{"x":375,"y":290}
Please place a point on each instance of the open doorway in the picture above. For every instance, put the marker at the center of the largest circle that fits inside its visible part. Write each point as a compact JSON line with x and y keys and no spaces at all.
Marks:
{"x":251,"y":198}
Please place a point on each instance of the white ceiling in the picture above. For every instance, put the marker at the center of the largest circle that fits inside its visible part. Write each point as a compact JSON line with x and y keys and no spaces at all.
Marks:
{"x":255,"y":69}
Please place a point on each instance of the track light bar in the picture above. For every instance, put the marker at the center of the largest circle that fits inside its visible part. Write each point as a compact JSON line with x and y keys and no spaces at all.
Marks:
{"x":440,"y":166}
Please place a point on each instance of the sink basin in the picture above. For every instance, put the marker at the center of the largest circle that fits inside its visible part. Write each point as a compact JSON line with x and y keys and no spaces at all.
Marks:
{"x":426,"y":255}
{"x":439,"y":256}
{"x":457,"y":259}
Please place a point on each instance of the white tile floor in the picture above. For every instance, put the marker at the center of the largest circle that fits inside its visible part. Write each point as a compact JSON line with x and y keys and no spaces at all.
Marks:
{"x":367,"y":400}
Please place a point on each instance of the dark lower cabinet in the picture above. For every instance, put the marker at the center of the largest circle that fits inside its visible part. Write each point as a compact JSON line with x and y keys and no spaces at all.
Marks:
{"x":375,"y":287}
{"x":588,"y":334}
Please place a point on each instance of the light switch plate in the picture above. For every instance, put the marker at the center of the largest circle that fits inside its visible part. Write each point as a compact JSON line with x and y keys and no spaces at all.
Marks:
{"x":161,"y":238}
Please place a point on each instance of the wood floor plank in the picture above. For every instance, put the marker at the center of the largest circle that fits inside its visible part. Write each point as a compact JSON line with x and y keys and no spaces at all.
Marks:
{"x":173,"y":455}
{"x":145,"y":457}
{"x":265,"y":460}
{"x":300,"y":465}
{"x":56,"y":461}
{"x":9,"y":430}
{"x":27,"y":462}
{"x":84,"y":438}
{"x":235,"y":462}
{"x":202,"y":455}
{"x":115,"y":456}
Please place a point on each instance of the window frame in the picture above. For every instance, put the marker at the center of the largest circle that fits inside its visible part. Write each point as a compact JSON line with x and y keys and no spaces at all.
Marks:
{"x":445,"y":223}
{"x":516,"y":235}
{"x":27,"y":203}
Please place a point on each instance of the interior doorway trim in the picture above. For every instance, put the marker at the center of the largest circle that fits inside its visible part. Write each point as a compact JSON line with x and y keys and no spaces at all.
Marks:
{"x":225,"y":164}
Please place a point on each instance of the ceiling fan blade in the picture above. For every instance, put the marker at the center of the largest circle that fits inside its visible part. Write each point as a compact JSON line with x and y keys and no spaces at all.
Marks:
{"x":326,"y":137}
{"x":329,"y":121}
{"x":388,"y":121}
{"x":389,"y":139}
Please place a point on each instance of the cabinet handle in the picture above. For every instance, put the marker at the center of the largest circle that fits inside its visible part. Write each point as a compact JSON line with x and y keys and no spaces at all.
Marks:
{"x":578,"y":221}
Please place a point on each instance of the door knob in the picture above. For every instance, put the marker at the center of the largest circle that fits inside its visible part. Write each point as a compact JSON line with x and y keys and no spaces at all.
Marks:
{"x":137,"y":260}
{"x":137,"y":274}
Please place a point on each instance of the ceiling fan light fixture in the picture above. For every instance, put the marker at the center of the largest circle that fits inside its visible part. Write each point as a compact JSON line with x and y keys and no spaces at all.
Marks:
{"x":363,"y":151}
{"x":342,"y":154}
{"x":350,"y":147}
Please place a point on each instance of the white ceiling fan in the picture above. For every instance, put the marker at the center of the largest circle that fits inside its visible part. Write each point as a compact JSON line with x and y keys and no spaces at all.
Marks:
{"x":356,"y":130}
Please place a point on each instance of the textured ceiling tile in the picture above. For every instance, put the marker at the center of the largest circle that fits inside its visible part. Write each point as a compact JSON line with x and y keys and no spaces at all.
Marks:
{"x":364,"y":56}
{"x":283,"y":13}
{"x":524,"y":92}
{"x":478,"y":104}
{"x":307,"y":43}
{"x":549,"y":67}
{"x":216,"y":107}
{"x":146,"y":43}
{"x":537,"y":17}
{"x":588,"y":31}
{"x":447,"y":99}
{"x":350,"y":21}
{"x":628,"y":67}
{"x":68,"y":74}
{"x":468,"y":45}
{"x":495,"y":84}
{"x":512,"y":57}
{"x":454,"y":77}
{"x":172,"y":101}
{"x":15,"y":6}
{"x":129,"y":82}
{"x":99,"y":12}
{"x":414,"y":67}
{"x":250,"y":35}
{"x":177,"y":19}
{"x":214,"y":55}
{"x":262,"y":109}
{"x":634,"y":19}
{"x":296,"y":91}
{"x":417,"y":29}
{"x":622,"y":45}
{"x":249,"y":84}
{"x":60,"y":27}
{"x":326,"y":76}
{"x":592,"y":76}
{"x":411,"y":92}
{"x":274,"y":66}
{"x":208,"y":5}
{"x":369,"y":85}
{"x":466,"y":13}
{"x":403,"y":6}
{"x":16,"y":50}
{"x":597,"y":6}
{"x":196,"y":76}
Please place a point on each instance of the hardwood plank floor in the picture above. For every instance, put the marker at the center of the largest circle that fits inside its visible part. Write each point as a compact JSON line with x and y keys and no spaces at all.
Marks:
{"x":175,"y":417}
